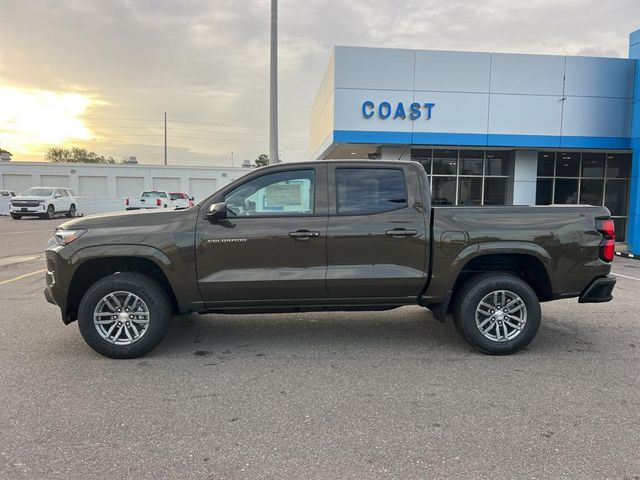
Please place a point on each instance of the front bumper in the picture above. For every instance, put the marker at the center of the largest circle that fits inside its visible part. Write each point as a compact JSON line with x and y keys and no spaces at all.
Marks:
{"x":57,"y":258}
{"x":598,"y":291}
{"x":18,"y":210}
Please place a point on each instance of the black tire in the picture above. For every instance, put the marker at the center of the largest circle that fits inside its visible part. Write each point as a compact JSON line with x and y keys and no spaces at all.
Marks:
{"x":472,"y":294}
{"x":51,"y":213}
{"x":72,"y":211}
{"x":151,"y":293}
{"x":16,"y":216}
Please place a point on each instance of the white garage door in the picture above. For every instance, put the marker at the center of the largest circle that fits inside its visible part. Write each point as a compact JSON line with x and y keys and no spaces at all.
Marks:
{"x":54,"y":181}
{"x":129,"y":187}
{"x":16,"y":183}
{"x":93,"y":187}
{"x":200,"y":188}
{"x":166,"y":184}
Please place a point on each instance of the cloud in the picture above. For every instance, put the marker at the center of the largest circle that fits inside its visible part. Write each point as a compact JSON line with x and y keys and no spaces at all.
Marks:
{"x":206,"y":62}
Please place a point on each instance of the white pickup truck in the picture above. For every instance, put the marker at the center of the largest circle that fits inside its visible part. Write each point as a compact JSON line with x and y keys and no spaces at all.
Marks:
{"x":44,"y":202}
{"x":150,"y":199}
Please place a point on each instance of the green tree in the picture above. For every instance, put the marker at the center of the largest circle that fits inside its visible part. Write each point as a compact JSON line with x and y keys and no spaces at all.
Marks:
{"x":262,"y":160}
{"x":75,"y":155}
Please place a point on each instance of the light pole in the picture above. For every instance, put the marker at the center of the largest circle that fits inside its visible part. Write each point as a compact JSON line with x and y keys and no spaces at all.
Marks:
{"x":165,"y":139}
{"x":273,"y":110}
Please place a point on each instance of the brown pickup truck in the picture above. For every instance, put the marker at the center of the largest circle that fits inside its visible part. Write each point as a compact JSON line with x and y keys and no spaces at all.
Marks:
{"x":334,"y":235}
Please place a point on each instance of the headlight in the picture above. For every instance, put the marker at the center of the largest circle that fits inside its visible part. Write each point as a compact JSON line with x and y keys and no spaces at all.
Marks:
{"x":65,"y":237}
{"x":40,"y":201}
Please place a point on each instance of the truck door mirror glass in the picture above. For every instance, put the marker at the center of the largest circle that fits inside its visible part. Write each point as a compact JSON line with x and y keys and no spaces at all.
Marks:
{"x":217,"y":211}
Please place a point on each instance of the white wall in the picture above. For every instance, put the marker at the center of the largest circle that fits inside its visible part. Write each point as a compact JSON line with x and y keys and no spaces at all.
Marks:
{"x":109,"y":183}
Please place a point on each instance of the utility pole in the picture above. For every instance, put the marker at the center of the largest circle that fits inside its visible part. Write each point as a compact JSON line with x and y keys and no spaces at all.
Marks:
{"x":165,"y":138}
{"x":232,"y":159}
{"x":273,"y":111}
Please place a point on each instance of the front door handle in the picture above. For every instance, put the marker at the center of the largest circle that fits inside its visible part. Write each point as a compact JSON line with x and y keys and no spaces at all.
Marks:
{"x":401,"y":232}
{"x":303,"y":234}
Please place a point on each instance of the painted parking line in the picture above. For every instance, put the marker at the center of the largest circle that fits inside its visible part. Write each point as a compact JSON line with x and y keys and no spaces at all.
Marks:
{"x":625,"y":276}
{"x":27,"y":231}
{"x":20,"y":277}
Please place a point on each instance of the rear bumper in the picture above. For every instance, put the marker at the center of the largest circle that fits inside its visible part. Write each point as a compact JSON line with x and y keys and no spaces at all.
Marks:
{"x":598,"y":290}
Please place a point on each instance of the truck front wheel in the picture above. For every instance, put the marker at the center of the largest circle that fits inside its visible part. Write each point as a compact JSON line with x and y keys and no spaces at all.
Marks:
{"x":124,"y":315}
{"x":497,"y":313}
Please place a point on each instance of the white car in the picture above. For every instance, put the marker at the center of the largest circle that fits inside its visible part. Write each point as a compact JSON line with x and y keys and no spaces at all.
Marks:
{"x":150,"y":199}
{"x":44,"y":202}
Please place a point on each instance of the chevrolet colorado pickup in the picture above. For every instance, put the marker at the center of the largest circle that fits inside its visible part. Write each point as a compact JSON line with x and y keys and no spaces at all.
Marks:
{"x":327,"y":235}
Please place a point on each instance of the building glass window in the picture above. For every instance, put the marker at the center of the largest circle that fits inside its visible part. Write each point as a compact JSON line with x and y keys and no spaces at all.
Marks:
{"x":591,"y":192}
{"x":566,"y":192}
{"x":465,"y":177}
{"x":497,"y":163}
{"x":593,"y":165}
{"x":495,"y":191}
{"x":588,"y":178}
{"x":443,"y":190}
{"x":445,"y":162}
{"x":618,"y":165}
{"x":470,"y":190}
{"x":546,"y":164}
{"x":544,"y":191}
{"x":471,"y":162}
{"x":567,"y":164}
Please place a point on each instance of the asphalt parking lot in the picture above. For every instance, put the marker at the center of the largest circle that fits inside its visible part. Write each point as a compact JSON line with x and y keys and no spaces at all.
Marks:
{"x":334,"y":395}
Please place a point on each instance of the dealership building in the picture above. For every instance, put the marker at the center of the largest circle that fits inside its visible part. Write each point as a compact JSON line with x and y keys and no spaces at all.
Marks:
{"x":492,"y":128}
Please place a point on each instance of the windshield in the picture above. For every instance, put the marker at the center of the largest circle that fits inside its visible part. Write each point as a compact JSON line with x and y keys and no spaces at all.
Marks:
{"x":39,"y":192}
{"x":154,"y":195}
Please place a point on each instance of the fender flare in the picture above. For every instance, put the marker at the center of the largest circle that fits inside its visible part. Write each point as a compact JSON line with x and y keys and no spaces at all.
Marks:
{"x":489,"y":248}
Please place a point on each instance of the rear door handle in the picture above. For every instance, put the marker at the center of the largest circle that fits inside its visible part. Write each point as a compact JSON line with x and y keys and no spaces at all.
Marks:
{"x":304,"y":234}
{"x":401,"y":232}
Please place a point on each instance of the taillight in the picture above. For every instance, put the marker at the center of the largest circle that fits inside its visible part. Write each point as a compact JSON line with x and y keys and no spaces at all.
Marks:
{"x":191,"y":203}
{"x":126,"y":201}
{"x":608,"y":243}
{"x":158,"y":202}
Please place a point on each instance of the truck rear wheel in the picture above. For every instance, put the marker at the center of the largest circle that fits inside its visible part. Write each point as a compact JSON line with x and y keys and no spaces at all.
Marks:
{"x":124,"y":315}
{"x":497,"y":313}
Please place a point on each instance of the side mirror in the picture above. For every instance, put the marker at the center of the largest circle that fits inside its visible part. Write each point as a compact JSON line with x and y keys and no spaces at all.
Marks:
{"x":193,"y":199}
{"x":57,"y":195}
{"x":217,"y":211}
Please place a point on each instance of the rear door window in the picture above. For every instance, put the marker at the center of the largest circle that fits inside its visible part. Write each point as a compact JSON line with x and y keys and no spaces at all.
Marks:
{"x":365,"y":191}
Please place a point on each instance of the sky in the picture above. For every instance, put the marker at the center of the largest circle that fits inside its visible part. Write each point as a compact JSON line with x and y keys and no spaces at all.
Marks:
{"x":101,"y":73}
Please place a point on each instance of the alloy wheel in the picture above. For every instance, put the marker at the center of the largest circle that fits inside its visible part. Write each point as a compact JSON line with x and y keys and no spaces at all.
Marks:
{"x":501,"y":315}
{"x":121,"y":318}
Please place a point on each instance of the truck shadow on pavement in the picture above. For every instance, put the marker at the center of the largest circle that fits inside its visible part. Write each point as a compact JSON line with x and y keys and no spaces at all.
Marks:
{"x":408,"y":329}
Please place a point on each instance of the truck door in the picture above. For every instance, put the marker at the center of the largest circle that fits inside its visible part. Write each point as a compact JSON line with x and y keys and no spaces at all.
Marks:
{"x":272,"y":245}
{"x":377,"y":236}
{"x":61,"y":200}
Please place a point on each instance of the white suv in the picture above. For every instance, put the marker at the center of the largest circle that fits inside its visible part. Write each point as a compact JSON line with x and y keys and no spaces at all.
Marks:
{"x":44,"y":202}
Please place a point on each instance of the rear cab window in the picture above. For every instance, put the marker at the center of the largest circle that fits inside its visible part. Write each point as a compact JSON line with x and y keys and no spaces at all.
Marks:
{"x":154,"y":194}
{"x":366,"y":191}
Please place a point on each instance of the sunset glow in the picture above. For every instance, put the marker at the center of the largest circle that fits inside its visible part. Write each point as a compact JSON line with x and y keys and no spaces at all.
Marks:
{"x":33,"y":120}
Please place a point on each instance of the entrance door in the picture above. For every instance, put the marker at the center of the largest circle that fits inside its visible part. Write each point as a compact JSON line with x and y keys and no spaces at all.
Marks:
{"x":271,"y":248}
{"x":377,"y":234}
